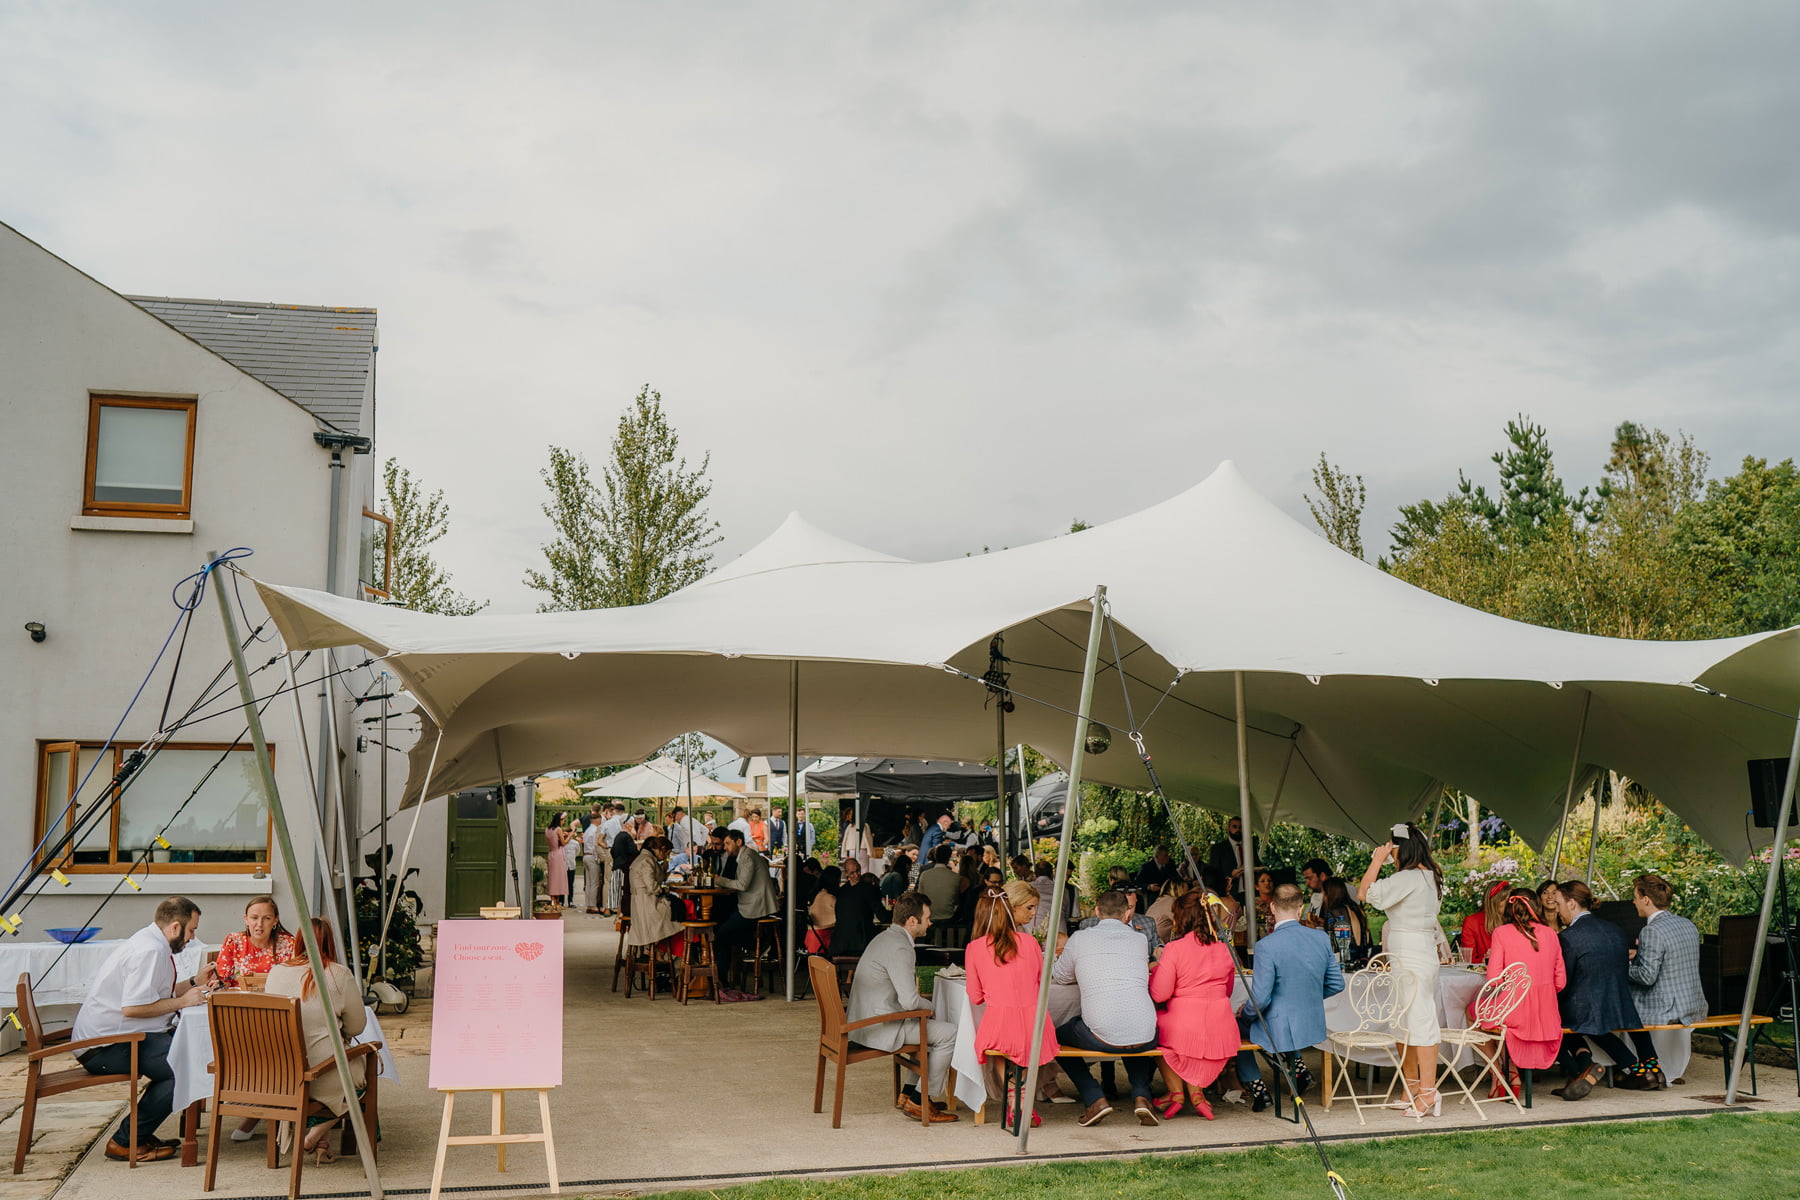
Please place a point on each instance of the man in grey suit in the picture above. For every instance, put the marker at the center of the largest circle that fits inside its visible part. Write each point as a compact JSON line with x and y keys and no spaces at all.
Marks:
{"x":756,"y":895}
{"x":1665,"y":969}
{"x":887,"y":981}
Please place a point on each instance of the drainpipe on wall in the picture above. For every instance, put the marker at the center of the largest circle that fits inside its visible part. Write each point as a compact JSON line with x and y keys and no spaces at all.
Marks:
{"x":322,"y":884}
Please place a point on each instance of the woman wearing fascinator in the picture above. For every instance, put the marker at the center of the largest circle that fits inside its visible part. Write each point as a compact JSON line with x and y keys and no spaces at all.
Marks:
{"x":1412,"y":897}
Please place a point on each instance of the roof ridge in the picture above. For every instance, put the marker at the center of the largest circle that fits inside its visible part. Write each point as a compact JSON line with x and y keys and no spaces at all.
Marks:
{"x":268,"y":304}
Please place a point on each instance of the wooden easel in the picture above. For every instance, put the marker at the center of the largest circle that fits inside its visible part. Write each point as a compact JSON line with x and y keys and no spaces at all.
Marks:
{"x":498,"y":1137}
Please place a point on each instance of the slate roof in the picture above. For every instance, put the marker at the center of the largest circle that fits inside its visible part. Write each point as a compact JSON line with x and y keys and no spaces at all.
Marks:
{"x":318,"y":357}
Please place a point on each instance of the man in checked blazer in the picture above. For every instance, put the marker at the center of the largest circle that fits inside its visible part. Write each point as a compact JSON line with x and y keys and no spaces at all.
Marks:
{"x":1665,"y":968}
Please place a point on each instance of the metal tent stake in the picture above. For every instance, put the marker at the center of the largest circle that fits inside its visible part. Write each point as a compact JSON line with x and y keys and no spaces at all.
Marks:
{"x":278,"y":818}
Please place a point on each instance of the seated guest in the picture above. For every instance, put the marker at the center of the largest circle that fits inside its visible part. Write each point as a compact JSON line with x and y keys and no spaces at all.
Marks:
{"x":1192,"y":983}
{"x":1004,"y":965}
{"x":893,"y":884}
{"x":1315,"y":873}
{"x":1534,"y":1030}
{"x":136,"y":992}
{"x":1021,"y":868}
{"x":968,"y":870}
{"x":887,"y":981}
{"x":1213,"y":884}
{"x":1107,"y":962}
{"x":821,"y":913}
{"x":1295,"y":972}
{"x":940,"y":884}
{"x":812,"y":872}
{"x":746,"y":879}
{"x":262,"y":944}
{"x":1344,"y":921}
{"x":344,"y":1004}
{"x":1597,"y":1000}
{"x":1478,"y":927}
{"x":1550,"y":904}
{"x":1156,"y":875}
{"x":1045,"y":882}
{"x":858,"y":906}
{"x":1162,"y":912}
{"x":652,"y":922}
{"x":1133,"y":918}
{"x":1664,"y":971}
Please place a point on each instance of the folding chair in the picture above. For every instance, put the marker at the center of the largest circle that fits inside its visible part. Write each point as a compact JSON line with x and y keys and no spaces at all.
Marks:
{"x":1378,"y":997}
{"x":1485,"y":1037}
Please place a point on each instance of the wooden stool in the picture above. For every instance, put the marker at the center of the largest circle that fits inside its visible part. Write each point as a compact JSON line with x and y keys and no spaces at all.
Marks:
{"x":641,"y":963}
{"x":623,"y":925}
{"x":698,"y":961}
{"x":769,"y":928}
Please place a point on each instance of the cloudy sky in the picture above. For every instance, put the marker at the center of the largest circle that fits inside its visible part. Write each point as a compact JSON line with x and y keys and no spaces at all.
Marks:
{"x":949,"y":275}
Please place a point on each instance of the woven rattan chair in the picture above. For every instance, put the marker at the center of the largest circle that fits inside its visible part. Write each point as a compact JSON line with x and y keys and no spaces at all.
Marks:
{"x":259,"y":1070}
{"x":835,"y":1045}
{"x":41,"y":1084}
{"x":1485,"y":1037}
{"x":1378,"y":997}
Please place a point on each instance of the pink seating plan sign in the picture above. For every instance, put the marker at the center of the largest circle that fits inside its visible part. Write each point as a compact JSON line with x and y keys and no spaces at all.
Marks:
{"x":496,"y":1017}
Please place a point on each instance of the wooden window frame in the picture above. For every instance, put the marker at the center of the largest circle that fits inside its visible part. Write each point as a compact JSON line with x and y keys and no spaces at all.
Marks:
{"x":115,"y":864}
{"x":385,"y":592}
{"x":172,"y":512}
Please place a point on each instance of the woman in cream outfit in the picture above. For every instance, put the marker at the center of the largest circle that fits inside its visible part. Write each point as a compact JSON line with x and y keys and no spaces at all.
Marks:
{"x":1411,"y":897}
{"x":344,"y":1005}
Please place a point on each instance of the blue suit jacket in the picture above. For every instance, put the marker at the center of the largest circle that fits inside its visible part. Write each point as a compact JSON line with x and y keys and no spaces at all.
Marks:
{"x":1295,"y":971}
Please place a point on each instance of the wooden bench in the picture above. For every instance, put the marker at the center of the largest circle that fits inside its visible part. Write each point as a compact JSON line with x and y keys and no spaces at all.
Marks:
{"x":1015,"y":1077}
{"x":1723,"y":1026}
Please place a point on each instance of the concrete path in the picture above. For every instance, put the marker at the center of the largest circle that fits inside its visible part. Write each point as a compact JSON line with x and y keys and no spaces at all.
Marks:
{"x":657,"y":1096}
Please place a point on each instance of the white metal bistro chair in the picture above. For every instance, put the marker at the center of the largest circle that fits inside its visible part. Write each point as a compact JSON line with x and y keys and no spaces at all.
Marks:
{"x":1485,"y":1038}
{"x":1378,"y":997}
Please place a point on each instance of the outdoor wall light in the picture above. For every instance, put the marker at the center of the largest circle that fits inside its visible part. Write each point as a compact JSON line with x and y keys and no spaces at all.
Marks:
{"x":36,"y":630}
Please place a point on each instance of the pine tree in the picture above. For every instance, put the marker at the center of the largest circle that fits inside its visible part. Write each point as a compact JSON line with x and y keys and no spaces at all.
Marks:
{"x":420,"y":521}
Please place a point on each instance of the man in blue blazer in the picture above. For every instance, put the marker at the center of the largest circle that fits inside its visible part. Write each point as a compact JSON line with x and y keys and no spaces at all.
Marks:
{"x":1295,"y":972}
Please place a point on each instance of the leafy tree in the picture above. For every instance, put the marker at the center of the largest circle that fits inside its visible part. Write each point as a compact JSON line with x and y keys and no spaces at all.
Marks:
{"x":1742,"y":540}
{"x":642,"y":533}
{"x":1339,"y":508}
{"x":420,"y":521}
{"x":691,"y":751}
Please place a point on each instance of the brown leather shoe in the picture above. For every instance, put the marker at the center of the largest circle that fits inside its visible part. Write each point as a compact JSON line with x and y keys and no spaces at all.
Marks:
{"x":1578,"y":1087}
{"x":1146,"y":1115}
{"x":937,"y":1116}
{"x":1095,"y":1113}
{"x":146,"y":1153}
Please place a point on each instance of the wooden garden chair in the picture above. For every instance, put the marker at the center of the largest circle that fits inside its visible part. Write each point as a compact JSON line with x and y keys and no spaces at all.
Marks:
{"x":41,"y":1084}
{"x":835,"y":1045}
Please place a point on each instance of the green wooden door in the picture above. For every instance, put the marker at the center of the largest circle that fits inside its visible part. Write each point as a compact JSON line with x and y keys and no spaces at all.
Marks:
{"x":475,"y":874}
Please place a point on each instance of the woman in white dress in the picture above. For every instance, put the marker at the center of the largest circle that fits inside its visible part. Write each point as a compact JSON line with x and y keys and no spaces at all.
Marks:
{"x":1411,"y":897}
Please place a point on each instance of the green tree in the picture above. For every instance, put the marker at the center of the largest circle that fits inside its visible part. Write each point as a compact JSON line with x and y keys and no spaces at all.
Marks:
{"x":642,"y":533}
{"x":1743,"y":539}
{"x":1339,"y":508}
{"x":420,"y":520}
{"x":690,"y":750}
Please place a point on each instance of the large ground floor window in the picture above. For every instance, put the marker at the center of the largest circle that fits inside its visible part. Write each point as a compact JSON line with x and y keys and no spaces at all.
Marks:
{"x":207,"y":794}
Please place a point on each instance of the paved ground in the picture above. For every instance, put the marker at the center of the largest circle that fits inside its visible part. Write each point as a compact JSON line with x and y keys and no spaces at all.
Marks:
{"x":657,"y":1095}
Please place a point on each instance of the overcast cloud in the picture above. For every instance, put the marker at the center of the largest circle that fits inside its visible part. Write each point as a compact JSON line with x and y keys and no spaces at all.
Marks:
{"x":949,"y":275}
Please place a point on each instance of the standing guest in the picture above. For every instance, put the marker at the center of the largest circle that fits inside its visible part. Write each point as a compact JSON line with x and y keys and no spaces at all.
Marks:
{"x":1412,"y":897}
{"x":1664,"y":971}
{"x":1550,"y":904}
{"x":968,"y":869}
{"x":858,"y":903}
{"x":887,"y":981}
{"x":1227,"y":856}
{"x":821,"y":912}
{"x":805,"y":836}
{"x":260,"y":948}
{"x":1196,"y":1028}
{"x":593,"y":863}
{"x":1295,"y":973}
{"x":342,"y":1004}
{"x":777,"y":831}
{"x":1478,"y":927}
{"x":556,"y":863}
{"x":853,"y":839}
{"x":1534,"y":1030}
{"x":624,"y":852}
{"x":941,"y":885}
{"x":1597,"y":1000}
{"x":1315,"y":873}
{"x":1021,"y":868}
{"x":1344,"y":921}
{"x":754,"y":888}
{"x":1004,"y":964}
{"x":893,"y":884}
{"x":615,"y":875}
{"x":1108,"y":964}
{"x":684,"y":831}
{"x":1157,"y":874}
{"x":136,"y":992}
{"x":934,"y":835}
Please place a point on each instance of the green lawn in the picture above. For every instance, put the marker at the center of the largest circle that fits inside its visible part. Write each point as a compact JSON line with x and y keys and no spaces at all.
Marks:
{"x":1735,"y":1156}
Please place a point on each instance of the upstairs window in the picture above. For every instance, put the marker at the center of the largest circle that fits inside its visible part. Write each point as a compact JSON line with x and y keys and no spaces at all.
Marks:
{"x":376,"y":566}
{"x":140,"y":458}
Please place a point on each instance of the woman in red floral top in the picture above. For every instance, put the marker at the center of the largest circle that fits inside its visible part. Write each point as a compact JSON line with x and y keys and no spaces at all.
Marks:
{"x":262,"y":945}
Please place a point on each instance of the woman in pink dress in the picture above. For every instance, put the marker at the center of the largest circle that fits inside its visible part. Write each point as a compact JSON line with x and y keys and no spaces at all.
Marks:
{"x":556,"y":863}
{"x":1004,"y":964}
{"x":1191,"y":983}
{"x":1534,"y":1030}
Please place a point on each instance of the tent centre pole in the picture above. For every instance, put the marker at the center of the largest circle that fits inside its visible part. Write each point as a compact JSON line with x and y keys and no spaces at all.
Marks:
{"x":393,"y":901}
{"x":348,"y":934}
{"x":265,"y":768}
{"x":1777,"y":846}
{"x":1071,"y":808}
{"x":791,"y":877}
{"x":1248,"y":880}
{"x":1001,"y":816}
{"x":1569,"y":794}
{"x":1594,"y":835}
{"x":381,"y":862}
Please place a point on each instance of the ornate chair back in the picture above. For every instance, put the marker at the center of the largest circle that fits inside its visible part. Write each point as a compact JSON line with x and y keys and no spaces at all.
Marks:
{"x":1379,"y":996}
{"x":1500,"y":995}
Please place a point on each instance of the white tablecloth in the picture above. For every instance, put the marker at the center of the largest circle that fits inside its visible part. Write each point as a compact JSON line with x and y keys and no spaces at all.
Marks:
{"x":68,"y":981}
{"x":192,"y":1050}
{"x":1456,"y":987}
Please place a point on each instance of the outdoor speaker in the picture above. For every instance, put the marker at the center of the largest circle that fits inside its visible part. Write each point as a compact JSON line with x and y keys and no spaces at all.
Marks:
{"x":1767,"y":777}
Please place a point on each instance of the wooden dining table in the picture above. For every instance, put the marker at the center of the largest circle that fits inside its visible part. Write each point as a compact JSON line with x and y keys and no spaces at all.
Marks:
{"x":701,"y":896}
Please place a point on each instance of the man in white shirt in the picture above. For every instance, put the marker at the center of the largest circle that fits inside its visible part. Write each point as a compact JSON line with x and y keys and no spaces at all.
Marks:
{"x":684,"y":831}
{"x":593,"y":863}
{"x":609,"y":833}
{"x":1108,"y":962}
{"x":137,"y":992}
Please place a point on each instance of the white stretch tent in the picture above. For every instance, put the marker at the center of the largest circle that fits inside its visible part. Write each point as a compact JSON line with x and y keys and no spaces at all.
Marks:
{"x":1364,"y":693}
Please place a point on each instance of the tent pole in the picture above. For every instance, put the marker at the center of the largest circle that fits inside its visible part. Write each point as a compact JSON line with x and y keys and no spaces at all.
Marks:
{"x":1248,"y":880}
{"x":393,"y":901}
{"x":381,"y":861}
{"x":1777,"y":846}
{"x":326,"y":903}
{"x":1594,"y":835}
{"x":1060,"y":879}
{"x":527,"y":912}
{"x":1000,"y":813}
{"x":1021,"y":813}
{"x":347,"y":931}
{"x":278,"y":818}
{"x":1569,"y":794}
{"x":790,"y":876}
